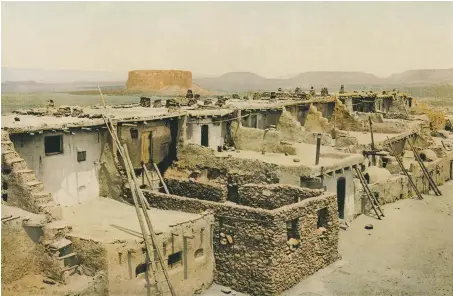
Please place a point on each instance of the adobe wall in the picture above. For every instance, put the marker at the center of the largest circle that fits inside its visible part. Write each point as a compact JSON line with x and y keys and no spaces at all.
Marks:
{"x":69,"y":180}
{"x":119,"y":259}
{"x":161,"y":141}
{"x":439,"y":169}
{"x":21,"y":253}
{"x":216,"y":132}
{"x":246,"y":138}
{"x":158,"y":79}
{"x":390,"y":190}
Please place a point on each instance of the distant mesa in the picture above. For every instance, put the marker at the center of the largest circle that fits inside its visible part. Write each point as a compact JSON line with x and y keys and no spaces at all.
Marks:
{"x":158,"y":79}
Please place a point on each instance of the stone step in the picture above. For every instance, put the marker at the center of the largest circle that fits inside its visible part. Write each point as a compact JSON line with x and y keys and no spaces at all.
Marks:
{"x":5,"y":136}
{"x":16,"y":163}
{"x":43,"y":197}
{"x":67,"y":256}
{"x":56,"y":229}
{"x":35,"y":186}
{"x":25,"y":175}
{"x":69,"y":268}
{"x":52,"y":209}
{"x":7,"y":145}
{"x":58,"y":243}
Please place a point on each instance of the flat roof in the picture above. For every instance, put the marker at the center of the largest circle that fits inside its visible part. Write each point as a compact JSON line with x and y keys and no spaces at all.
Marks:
{"x":364,"y":138}
{"x":330,"y":159}
{"x":106,"y":220}
{"x":29,"y":123}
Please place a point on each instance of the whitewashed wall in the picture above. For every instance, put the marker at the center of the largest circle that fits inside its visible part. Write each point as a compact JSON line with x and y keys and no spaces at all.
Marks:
{"x":70,"y":182}
{"x":216,"y":132}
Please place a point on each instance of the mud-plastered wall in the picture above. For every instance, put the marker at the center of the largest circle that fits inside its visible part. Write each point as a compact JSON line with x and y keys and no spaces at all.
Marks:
{"x":150,"y":142}
{"x":158,"y":79}
{"x":123,"y":261}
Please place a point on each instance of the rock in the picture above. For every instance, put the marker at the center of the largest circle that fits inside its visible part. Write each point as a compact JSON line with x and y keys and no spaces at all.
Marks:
{"x":226,"y":290}
{"x":296,"y":160}
{"x":344,"y":227}
{"x":369,"y":226}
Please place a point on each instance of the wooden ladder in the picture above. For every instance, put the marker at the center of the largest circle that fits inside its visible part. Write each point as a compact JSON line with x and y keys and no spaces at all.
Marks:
{"x":400,"y":163}
{"x":140,"y":202}
{"x":374,"y":202}
{"x":425,"y":171}
{"x":145,"y":172}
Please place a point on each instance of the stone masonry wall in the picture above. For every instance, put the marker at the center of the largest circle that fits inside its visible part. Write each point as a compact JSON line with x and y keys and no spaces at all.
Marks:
{"x":318,"y":247}
{"x":243,"y":171}
{"x":273,"y":196}
{"x":195,"y":189}
{"x":250,"y":245}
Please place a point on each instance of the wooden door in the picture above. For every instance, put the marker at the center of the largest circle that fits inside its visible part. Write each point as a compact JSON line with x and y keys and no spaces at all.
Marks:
{"x":147,"y":147}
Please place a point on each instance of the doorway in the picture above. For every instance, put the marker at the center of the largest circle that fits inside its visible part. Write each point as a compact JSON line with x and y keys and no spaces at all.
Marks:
{"x":451,"y":169}
{"x":205,"y":135}
{"x":147,"y":147}
{"x":341,"y":195}
{"x":254,"y":121}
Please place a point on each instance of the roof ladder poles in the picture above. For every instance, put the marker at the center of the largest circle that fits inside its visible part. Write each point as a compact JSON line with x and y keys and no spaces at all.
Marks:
{"x":160,"y":178}
{"x":143,"y":204}
{"x":139,"y":198}
{"x":425,"y":171}
{"x":403,"y":169}
{"x":373,"y":156}
{"x":374,"y":203}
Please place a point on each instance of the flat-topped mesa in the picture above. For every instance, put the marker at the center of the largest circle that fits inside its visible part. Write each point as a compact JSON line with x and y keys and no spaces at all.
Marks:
{"x":158,"y":79}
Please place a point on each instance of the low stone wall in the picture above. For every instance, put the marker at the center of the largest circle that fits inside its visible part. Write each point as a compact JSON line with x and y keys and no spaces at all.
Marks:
{"x":196,"y":189}
{"x":273,"y":196}
{"x":250,"y":245}
{"x":317,"y":249}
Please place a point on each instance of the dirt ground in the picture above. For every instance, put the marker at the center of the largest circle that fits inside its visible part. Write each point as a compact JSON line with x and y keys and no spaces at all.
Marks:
{"x":409,"y":252}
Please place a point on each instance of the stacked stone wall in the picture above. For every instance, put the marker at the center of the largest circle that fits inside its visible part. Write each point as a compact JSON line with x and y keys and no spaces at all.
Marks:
{"x":273,"y":196}
{"x":199,"y":190}
{"x":250,"y":245}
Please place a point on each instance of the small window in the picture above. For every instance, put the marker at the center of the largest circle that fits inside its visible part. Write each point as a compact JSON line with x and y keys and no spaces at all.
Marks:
{"x":292,"y":229}
{"x":5,"y":197}
{"x":53,"y":145}
{"x":322,"y":218}
{"x":174,"y":260}
{"x":81,"y":156}
{"x":199,"y":253}
{"x":134,"y":133}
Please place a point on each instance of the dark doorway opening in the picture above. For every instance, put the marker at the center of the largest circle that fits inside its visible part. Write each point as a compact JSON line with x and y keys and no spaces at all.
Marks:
{"x":233,"y":192}
{"x":341,"y":195}
{"x":204,"y":135}
{"x":254,"y":121}
{"x":451,"y":169}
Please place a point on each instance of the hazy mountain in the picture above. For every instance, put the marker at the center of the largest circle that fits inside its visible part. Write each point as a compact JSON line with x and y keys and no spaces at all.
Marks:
{"x":59,"y":76}
{"x":35,"y":80}
{"x":242,"y":81}
{"x":424,"y":76}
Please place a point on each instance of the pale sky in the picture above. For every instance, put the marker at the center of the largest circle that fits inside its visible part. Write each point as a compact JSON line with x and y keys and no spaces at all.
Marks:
{"x":271,"y":39}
